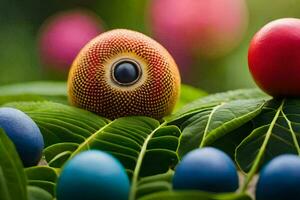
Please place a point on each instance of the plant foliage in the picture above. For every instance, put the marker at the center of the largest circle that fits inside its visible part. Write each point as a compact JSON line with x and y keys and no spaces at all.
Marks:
{"x":247,"y":124}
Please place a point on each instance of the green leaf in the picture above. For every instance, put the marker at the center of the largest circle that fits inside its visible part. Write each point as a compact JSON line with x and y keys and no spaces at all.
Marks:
{"x":43,"y":177}
{"x":39,"y":88}
{"x":212,"y":123}
{"x":153,"y":184}
{"x":57,"y":154}
{"x":36,"y":193}
{"x":232,"y":139}
{"x":138,"y":142}
{"x":12,"y":176}
{"x":216,"y":99}
{"x":61,"y":123}
{"x":24,"y":97}
{"x":276,"y":131}
{"x":194,"y":195}
{"x":188,"y":94}
{"x":34,"y":91}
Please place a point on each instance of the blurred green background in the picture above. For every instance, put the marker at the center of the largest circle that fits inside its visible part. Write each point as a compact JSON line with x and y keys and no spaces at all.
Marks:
{"x":20,"y":22}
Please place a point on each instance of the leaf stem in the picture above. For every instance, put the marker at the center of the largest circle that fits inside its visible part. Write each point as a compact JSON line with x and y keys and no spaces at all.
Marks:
{"x":262,"y":150}
{"x":292,"y":132}
{"x":89,"y":139}
{"x":208,"y":124}
{"x":136,"y":172}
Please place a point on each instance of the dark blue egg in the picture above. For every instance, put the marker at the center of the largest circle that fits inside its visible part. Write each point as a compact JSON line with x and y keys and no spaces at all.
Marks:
{"x":93,"y":175}
{"x":206,"y":169}
{"x":24,"y":133}
{"x":280,"y":179}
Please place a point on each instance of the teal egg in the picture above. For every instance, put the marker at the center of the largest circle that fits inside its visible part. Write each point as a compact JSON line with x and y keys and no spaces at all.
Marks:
{"x":93,"y":175}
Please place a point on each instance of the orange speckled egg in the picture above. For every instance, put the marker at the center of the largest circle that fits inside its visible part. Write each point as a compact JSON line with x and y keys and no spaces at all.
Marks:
{"x":124,"y":73}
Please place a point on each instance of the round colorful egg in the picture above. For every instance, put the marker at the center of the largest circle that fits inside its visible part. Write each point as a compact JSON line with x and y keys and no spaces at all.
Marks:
{"x":206,"y":169}
{"x":274,"y":59}
{"x":24,"y":133}
{"x":93,"y":175}
{"x":123,"y":73}
{"x":280,"y":179}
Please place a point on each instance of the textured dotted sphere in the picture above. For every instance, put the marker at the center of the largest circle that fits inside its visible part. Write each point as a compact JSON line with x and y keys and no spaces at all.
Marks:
{"x":93,"y":175}
{"x":280,"y":179}
{"x":24,"y":133}
{"x":206,"y":169}
{"x":124,"y":73}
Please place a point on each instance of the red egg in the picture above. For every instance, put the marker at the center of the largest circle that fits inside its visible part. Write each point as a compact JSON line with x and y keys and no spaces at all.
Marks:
{"x":274,"y":57}
{"x":64,"y":34}
{"x":209,"y":28}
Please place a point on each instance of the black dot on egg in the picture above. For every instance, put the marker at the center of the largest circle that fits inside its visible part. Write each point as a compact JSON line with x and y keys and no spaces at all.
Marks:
{"x":126,"y":72}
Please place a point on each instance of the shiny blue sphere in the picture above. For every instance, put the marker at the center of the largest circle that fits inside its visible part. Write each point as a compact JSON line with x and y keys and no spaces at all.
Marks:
{"x":93,"y":175}
{"x":24,"y":133}
{"x":206,"y":169}
{"x":280,"y":179}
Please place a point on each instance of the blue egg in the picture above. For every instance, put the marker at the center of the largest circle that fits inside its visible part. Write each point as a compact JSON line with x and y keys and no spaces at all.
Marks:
{"x":24,"y":133}
{"x":93,"y":175}
{"x":206,"y":169}
{"x":280,"y":179}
